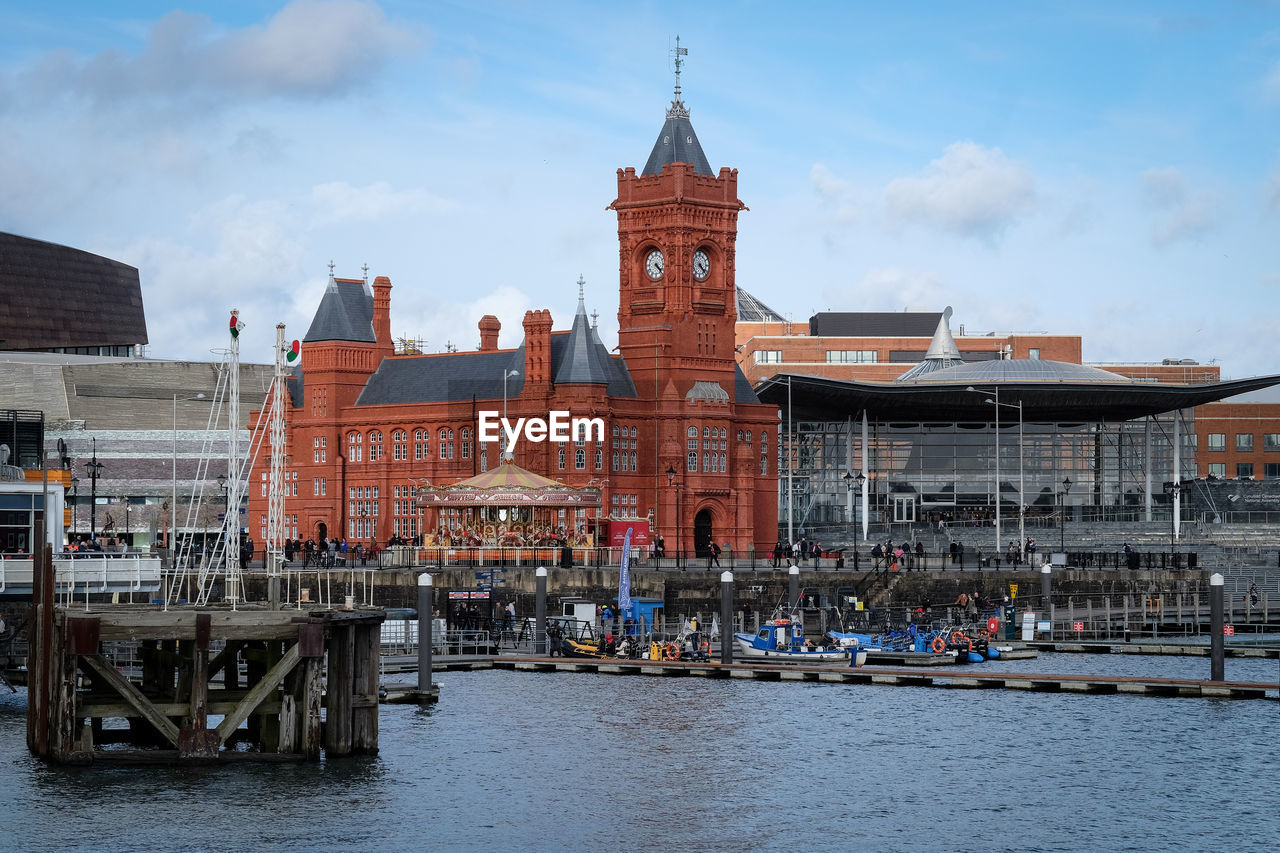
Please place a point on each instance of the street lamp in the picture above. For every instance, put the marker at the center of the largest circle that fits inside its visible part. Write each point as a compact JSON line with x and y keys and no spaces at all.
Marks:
{"x":1175,"y":488}
{"x":362,"y":510}
{"x":671,"y":481}
{"x":75,"y":501}
{"x":94,"y":468}
{"x":1062,"y":522}
{"x":506,"y":454}
{"x":1022,"y":503}
{"x":128,"y":538}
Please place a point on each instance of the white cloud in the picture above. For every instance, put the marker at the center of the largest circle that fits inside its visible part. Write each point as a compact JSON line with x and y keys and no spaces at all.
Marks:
{"x":339,"y":201}
{"x":1181,"y":215}
{"x":970,"y":191}
{"x":892,"y":289}
{"x":835,"y":193}
{"x":309,"y":48}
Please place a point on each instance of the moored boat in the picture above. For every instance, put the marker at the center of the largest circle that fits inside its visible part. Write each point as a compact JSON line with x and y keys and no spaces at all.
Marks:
{"x":782,"y":640}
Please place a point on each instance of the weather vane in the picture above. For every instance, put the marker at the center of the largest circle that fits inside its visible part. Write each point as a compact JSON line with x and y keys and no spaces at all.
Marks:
{"x":679,"y":63}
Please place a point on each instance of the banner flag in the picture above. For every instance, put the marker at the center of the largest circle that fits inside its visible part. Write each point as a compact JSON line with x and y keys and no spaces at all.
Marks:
{"x":624,"y":576}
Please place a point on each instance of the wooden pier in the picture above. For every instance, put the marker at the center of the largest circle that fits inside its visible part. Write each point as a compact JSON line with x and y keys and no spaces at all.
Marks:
{"x":959,"y":679}
{"x":286,"y":684}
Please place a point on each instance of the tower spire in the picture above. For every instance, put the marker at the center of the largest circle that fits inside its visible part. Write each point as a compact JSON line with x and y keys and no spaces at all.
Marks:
{"x":679,"y":63}
{"x":582,"y":305}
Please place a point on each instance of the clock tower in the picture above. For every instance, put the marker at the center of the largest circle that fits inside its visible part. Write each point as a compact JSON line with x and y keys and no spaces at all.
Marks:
{"x":677,"y":226}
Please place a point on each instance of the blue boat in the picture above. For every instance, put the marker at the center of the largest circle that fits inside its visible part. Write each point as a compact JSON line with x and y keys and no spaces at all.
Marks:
{"x":782,"y":640}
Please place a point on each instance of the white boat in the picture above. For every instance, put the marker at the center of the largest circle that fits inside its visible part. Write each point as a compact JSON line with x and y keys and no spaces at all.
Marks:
{"x":782,"y":640}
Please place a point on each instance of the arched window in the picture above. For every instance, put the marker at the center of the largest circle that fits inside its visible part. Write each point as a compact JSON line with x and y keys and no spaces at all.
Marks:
{"x":748,"y":435}
{"x":375,"y":445}
{"x":706,"y":432}
{"x":739,"y":435}
{"x":560,"y":458}
{"x":421,"y":444}
{"x":615,"y":460}
{"x":692,"y":464}
{"x":465,"y":438}
{"x":633,"y":432}
{"x":354,"y":447}
{"x":724,"y":432}
{"x":724,"y":463}
{"x":693,"y":432}
{"x":633,"y":462}
{"x":599,"y":459}
{"x":579,"y":459}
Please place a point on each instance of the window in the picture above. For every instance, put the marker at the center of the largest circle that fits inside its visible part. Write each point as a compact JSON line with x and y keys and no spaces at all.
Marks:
{"x":769,"y":356}
{"x":1271,"y":470}
{"x":1217,"y":469}
{"x":399,"y":450}
{"x":446,"y":443}
{"x":693,"y":432}
{"x":1244,"y":470}
{"x":851,"y":356}
{"x":354,"y":447}
{"x":579,"y":459}
{"x":1033,"y":354}
{"x":1244,"y":442}
{"x":615,"y":460}
{"x":560,"y":458}
{"x":599,"y":459}
{"x":692,"y":464}
{"x":1271,"y":441}
{"x":1217,"y":441}
{"x":465,"y":437}
{"x":633,"y":432}
{"x":375,"y":446}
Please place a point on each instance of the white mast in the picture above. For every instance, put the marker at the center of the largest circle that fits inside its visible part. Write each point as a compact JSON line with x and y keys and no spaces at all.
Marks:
{"x":231,"y":522}
{"x":274,"y":545}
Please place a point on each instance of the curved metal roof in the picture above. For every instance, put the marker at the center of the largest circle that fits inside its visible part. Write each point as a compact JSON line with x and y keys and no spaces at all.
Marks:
{"x":1019,"y":370}
{"x":1046,"y":401}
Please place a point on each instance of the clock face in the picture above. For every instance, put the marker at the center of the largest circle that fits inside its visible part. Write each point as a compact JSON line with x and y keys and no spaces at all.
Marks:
{"x":654,"y":264}
{"x":701,"y":265}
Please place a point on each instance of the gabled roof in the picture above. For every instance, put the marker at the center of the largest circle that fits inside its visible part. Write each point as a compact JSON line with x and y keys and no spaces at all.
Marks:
{"x":677,"y":143}
{"x":345,"y":313}
{"x":583,"y":360}
{"x":752,"y":310}
{"x":459,"y":376}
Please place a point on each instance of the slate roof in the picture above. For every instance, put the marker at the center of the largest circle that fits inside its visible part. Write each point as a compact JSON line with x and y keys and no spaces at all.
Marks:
{"x":457,"y":376}
{"x":582,"y":361}
{"x":752,"y":310}
{"x":345,"y":313}
{"x":55,"y":296}
{"x":742,"y":390}
{"x":677,"y":143}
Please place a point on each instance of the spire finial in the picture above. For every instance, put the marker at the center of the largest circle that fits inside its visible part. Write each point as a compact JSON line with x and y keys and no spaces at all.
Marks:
{"x":581,"y":284}
{"x":330,"y":269}
{"x":595,"y":319}
{"x":679,"y":63}
{"x":366,"y":273}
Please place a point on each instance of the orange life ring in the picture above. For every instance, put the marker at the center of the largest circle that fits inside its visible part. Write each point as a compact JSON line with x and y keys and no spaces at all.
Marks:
{"x":958,"y":637}
{"x":993,"y":625}
{"x":706,"y":646}
{"x":673,"y":651}
{"x":982,"y":634}
{"x":939,"y":645}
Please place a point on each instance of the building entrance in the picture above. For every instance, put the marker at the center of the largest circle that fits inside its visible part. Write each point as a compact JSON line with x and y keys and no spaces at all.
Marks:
{"x":702,"y":533}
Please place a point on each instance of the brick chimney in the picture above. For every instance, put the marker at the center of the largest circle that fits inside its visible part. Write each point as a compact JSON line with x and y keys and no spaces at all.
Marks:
{"x":382,"y":312}
{"x":537,"y":347}
{"x":489,"y":327}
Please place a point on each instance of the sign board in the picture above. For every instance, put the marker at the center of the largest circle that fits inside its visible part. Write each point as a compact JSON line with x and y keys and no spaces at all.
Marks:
{"x":639,"y":533}
{"x":1028,"y":626}
{"x":1013,"y":590}
{"x":484,"y":586}
{"x":1228,"y":630}
{"x":484,"y":576}
{"x":454,"y":596}
{"x":1044,"y":626}
{"x":1077,"y":626}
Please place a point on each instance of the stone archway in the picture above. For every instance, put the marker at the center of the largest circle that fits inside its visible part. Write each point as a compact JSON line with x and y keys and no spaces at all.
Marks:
{"x":322,"y":531}
{"x":703,"y":532}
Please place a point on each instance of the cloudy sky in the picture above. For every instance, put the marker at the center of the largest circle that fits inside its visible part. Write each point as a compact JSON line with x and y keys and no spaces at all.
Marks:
{"x":1102,"y":169}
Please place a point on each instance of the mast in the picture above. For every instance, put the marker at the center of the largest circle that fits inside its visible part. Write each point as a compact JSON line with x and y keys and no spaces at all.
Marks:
{"x":274,"y":546}
{"x":231,"y":510}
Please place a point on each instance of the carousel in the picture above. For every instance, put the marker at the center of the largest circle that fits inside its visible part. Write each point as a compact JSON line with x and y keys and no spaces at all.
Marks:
{"x":508,"y":507}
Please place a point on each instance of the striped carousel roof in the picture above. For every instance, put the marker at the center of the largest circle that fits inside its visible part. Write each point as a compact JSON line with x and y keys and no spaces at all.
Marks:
{"x":509,"y":485}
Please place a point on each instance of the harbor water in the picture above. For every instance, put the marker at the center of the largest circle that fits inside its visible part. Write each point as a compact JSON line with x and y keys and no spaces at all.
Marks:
{"x":515,"y":760}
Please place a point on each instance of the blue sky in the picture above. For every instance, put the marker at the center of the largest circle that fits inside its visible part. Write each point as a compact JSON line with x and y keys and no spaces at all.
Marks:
{"x":1102,"y":169}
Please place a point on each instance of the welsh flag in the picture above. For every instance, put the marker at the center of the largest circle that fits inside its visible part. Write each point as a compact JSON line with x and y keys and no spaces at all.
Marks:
{"x":236,"y":325}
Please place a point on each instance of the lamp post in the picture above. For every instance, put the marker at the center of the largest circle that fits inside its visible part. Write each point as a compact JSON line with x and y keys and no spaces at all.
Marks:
{"x":94,"y":468}
{"x":1062,"y":523}
{"x":75,"y":501}
{"x":1022,"y":503}
{"x":128,"y":538}
{"x":222,"y":485}
{"x":506,"y":454}
{"x":671,"y":481}
{"x":362,"y":511}
{"x":1175,"y":488}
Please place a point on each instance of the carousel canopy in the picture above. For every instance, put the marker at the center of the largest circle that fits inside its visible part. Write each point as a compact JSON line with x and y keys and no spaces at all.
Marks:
{"x":508,"y":485}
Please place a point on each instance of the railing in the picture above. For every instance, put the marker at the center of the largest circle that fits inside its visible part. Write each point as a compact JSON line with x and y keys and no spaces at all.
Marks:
{"x":81,"y":574}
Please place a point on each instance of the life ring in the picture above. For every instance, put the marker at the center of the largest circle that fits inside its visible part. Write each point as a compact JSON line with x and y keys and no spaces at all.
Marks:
{"x":706,"y":646}
{"x":673,"y":651}
{"x":939,"y":645}
{"x":982,"y":634}
{"x":958,"y":637}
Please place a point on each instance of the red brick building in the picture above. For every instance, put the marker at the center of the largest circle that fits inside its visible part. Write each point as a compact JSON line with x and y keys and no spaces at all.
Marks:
{"x":368,"y":425}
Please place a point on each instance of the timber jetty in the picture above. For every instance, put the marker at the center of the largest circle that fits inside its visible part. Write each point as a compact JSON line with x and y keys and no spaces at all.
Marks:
{"x":286,"y":683}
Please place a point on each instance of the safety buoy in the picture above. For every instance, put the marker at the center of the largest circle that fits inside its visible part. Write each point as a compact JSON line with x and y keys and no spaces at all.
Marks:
{"x":982,"y":634}
{"x":958,"y":637}
{"x":939,"y":645}
{"x":993,"y":625}
{"x":706,"y":646}
{"x":673,"y":651}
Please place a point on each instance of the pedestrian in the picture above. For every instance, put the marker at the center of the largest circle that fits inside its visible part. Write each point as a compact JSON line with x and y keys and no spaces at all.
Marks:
{"x":777,"y":554}
{"x":920,"y":555}
{"x":953,"y":552}
{"x":713,"y":555}
{"x":877,"y":555}
{"x":817,"y":555}
{"x":960,"y":554}
{"x":342,"y":548}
